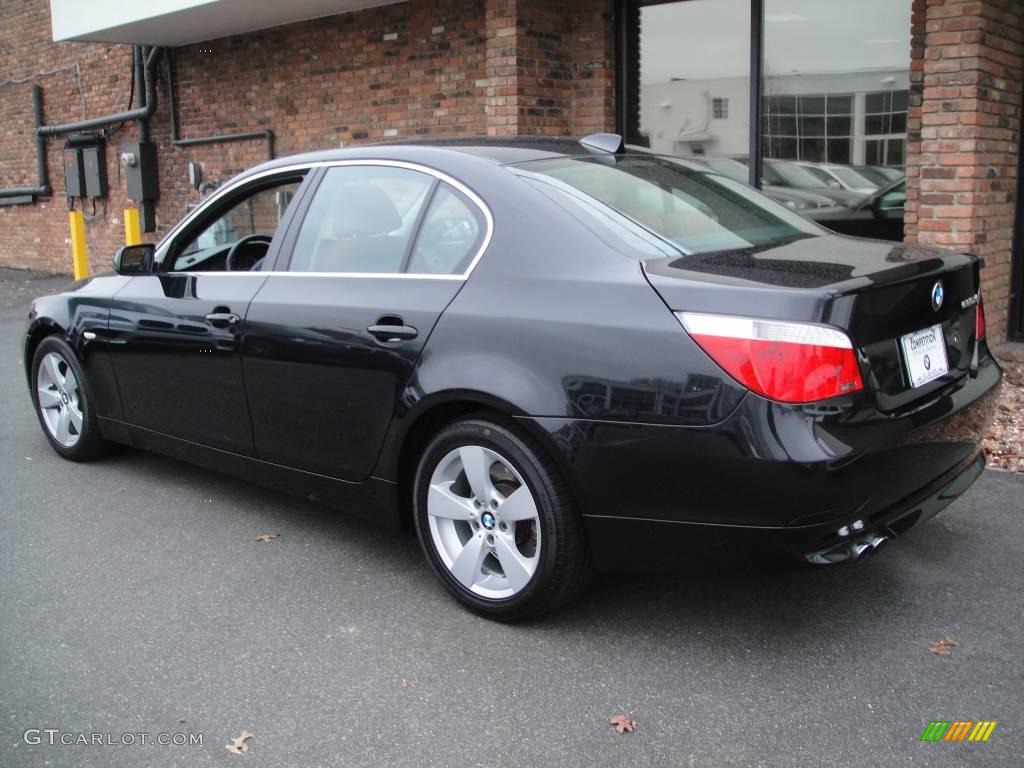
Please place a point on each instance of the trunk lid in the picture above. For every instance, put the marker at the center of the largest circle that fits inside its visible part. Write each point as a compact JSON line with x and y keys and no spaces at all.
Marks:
{"x":877,"y":292}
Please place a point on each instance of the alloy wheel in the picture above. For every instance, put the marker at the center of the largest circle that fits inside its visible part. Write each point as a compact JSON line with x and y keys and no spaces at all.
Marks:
{"x":59,"y":399}
{"x":484,"y":522}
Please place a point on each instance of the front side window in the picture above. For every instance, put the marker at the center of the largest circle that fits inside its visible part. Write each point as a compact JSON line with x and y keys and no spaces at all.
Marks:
{"x":237,"y":237}
{"x":697,"y":211}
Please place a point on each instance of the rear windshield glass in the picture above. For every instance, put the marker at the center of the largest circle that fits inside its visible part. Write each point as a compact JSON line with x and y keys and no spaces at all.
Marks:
{"x":696,"y":210}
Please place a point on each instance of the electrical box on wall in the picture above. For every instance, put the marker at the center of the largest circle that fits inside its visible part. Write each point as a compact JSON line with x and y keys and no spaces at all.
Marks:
{"x":94,"y":162}
{"x":85,"y":166}
{"x":140,"y":170}
{"x":74,"y":173}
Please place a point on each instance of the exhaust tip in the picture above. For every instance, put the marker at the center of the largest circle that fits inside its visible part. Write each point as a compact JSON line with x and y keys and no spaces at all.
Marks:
{"x":860,"y":549}
{"x":877,"y":542}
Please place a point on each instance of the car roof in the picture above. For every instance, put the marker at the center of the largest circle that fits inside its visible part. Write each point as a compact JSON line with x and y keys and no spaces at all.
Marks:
{"x":498,"y":151}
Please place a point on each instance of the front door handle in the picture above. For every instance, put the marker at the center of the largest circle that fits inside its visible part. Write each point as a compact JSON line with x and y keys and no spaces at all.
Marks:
{"x":388,"y":332}
{"x":223,"y":319}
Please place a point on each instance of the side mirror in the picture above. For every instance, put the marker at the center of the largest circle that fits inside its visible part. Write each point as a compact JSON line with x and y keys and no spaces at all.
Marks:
{"x":134,"y":259}
{"x":833,"y":184}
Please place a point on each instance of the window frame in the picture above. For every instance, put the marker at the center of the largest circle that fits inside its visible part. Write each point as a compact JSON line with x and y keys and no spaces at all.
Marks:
{"x":313,"y":173}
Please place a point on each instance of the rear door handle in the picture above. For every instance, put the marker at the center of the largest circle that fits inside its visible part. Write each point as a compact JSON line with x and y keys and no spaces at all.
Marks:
{"x":223,"y":319}
{"x":391,"y":333}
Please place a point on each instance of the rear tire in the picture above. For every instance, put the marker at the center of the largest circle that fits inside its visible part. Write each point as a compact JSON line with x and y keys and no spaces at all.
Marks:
{"x":63,"y":402}
{"x":496,"y":523}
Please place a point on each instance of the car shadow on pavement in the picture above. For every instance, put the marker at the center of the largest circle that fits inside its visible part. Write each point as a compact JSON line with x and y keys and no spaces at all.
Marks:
{"x":781,"y":599}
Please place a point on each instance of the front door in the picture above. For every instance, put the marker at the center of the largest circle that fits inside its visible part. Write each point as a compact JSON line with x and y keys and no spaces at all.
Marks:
{"x":175,"y":335}
{"x":333,"y":337}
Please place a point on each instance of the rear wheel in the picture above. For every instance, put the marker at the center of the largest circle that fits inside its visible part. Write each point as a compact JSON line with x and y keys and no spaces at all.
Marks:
{"x":496,"y":523}
{"x":63,"y":401}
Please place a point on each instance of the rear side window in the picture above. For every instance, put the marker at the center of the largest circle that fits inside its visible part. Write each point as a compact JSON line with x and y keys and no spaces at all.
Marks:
{"x":449,"y":236}
{"x":697,"y":211}
{"x":362,"y":219}
{"x":386,"y":220}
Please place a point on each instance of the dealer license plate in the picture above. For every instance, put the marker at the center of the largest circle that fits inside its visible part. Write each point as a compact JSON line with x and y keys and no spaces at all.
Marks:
{"x":925,"y":353}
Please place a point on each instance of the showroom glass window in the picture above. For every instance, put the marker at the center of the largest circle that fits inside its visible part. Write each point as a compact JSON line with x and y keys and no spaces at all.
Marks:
{"x":835,"y":81}
{"x":693,"y":77}
{"x":834,"y":85}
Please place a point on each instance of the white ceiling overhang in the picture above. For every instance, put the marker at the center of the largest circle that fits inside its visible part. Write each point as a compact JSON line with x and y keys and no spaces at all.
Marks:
{"x":180,"y":22}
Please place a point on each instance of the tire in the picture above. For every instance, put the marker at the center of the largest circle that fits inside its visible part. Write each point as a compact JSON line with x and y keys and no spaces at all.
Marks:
{"x":66,"y":414}
{"x":505,"y":558}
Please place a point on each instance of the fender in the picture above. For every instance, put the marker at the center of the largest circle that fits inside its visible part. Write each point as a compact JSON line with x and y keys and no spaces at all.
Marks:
{"x":84,"y":307}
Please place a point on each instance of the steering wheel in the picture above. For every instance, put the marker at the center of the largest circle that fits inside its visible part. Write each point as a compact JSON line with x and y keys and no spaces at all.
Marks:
{"x":229,"y":261}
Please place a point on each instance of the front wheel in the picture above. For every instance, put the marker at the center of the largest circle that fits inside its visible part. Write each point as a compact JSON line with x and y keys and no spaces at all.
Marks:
{"x":496,"y":522}
{"x":63,"y":402}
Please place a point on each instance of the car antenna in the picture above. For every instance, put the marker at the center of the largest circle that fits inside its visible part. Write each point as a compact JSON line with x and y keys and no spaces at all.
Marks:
{"x":603,"y":143}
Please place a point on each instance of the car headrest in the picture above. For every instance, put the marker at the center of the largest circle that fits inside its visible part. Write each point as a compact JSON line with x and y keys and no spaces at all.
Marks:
{"x":361,"y":210}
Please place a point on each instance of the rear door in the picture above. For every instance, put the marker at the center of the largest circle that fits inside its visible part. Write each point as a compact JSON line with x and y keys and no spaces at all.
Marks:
{"x":333,"y":336}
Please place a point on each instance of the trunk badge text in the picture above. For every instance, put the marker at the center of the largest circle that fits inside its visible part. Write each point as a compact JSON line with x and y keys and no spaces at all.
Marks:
{"x":938,"y":294}
{"x":969,"y":302}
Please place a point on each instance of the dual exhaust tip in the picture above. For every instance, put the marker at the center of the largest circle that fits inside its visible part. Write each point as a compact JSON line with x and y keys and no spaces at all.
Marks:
{"x":861,"y":548}
{"x":855,"y":550}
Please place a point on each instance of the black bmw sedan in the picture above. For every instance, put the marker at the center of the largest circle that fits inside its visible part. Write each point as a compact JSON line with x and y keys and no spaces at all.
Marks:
{"x":548,"y":359}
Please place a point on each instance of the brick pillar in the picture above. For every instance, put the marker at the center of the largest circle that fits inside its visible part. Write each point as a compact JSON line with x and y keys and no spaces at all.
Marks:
{"x":550,"y":68}
{"x":963,"y":133}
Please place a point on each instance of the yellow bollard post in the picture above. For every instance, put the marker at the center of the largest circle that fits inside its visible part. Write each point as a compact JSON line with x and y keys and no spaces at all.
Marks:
{"x":79,"y":256}
{"x":132,"y":230}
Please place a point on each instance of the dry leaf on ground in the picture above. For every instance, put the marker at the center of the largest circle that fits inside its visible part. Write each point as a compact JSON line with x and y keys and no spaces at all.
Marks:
{"x":1004,"y":444}
{"x":404,"y":683}
{"x":237,"y":745}
{"x":941,"y":648}
{"x":267,"y":536}
{"x":623,"y":724}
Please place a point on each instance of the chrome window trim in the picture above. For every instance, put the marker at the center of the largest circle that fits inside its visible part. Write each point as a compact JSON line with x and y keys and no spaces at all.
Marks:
{"x":166,"y":243}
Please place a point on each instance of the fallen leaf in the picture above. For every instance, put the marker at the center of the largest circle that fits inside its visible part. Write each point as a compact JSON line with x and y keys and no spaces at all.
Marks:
{"x":623,"y":724}
{"x":267,"y":536}
{"x":941,"y":647}
{"x":404,"y":683}
{"x":237,"y":745}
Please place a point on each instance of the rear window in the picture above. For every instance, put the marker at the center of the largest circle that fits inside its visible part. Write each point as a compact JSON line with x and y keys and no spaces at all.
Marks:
{"x":695,"y":210}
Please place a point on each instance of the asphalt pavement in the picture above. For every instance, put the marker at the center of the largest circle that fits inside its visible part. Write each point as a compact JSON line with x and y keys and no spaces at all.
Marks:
{"x":135,"y":599}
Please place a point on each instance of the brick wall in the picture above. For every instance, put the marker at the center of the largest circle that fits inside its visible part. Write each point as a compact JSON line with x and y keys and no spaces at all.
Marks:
{"x":78,"y":81}
{"x":964,"y":129}
{"x":414,"y":69}
{"x":551,"y":67}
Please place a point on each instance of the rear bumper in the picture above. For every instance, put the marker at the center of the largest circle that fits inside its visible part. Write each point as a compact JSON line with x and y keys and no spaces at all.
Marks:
{"x":771,"y":477}
{"x":622,"y":544}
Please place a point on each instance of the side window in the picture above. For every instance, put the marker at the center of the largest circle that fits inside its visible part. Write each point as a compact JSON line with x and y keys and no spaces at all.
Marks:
{"x":450,"y":235}
{"x":255,"y":219}
{"x":361,"y":220}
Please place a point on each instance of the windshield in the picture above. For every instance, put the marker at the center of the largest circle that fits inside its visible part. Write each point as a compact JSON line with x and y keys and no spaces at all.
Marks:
{"x":795,"y":175}
{"x":726,"y":166}
{"x":851,"y":178}
{"x":695,"y":210}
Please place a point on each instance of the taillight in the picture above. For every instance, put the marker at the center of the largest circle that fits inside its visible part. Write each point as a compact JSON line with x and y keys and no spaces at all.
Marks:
{"x":788,"y":362}
{"x":979,"y":319}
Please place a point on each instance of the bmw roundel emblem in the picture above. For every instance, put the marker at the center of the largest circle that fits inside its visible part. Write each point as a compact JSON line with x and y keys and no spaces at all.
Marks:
{"x":938,"y":294}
